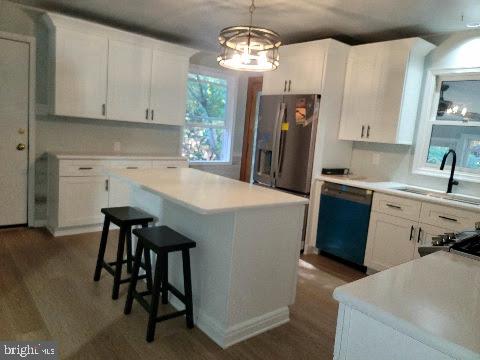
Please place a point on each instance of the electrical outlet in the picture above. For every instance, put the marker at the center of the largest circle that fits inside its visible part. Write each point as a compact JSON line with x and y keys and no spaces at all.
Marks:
{"x":117,"y":147}
{"x":376,"y":159}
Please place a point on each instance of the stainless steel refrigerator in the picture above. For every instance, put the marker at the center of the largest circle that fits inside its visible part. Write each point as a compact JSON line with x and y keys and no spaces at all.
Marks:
{"x":285,"y":142}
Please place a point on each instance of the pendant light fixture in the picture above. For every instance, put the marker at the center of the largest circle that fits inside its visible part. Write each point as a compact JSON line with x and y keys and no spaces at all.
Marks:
{"x":249,"y":48}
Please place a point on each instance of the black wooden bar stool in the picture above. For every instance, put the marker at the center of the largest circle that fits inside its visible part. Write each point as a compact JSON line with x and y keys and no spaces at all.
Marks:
{"x":161,"y":240}
{"x":124,"y":217}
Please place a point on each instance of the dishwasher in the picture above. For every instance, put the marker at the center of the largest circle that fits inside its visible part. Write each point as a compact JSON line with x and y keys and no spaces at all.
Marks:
{"x":343,"y":222}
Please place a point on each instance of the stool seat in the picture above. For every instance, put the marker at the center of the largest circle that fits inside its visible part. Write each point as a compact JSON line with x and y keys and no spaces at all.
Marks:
{"x":163,"y":238}
{"x":127,"y":215}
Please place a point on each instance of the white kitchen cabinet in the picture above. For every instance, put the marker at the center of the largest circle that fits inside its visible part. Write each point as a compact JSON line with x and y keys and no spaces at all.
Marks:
{"x":391,"y":241}
{"x":81,"y":199}
{"x":168,"y":88}
{"x":382,"y":90}
{"x":129,"y":72}
{"x":80,"y":88}
{"x":103,"y":73}
{"x":300,"y":71}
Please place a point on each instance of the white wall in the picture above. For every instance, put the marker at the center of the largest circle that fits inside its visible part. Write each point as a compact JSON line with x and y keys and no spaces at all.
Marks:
{"x":394,"y":162}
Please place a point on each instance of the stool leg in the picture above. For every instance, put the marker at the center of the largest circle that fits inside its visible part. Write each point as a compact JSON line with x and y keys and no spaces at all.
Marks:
{"x":187,"y":284}
{"x":101,"y":250}
{"x":133,"y":281}
{"x":148,"y":269}
{"x":129,"y":249}
{"x":118,"y":267}
{"x":152,"y":319}
{"x":164,"y":264}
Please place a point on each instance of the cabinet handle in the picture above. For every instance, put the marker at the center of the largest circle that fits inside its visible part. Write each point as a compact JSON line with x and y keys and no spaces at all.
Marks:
{"x":447,"y":218}
{"x":285,"y":86}
{"x":106,"y":185}
{"x":419,"y":234}
{"x":85,"y":168}
{"x":411,"y":233}
{"x":363,"y":130}
{"x":152,"y":114}
{"x":132,"y":167}
{"x":103,"y":110}
{"x":394,"y":206}
{"x":368,"y":131}
{"x":146,"y":114}
{"x":289,"y":85}
{"x":171,"y":167}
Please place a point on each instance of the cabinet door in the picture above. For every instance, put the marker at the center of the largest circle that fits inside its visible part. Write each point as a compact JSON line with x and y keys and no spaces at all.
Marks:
{"x":276,"y":82}
{"x":392,"y":64}
{"x":80,"y":74}
{"x":129,"y":70}
{"x":81,"y":199}
{"x":424,"y":235}
{"x":168,"y":88}
{"x":359,"y":101}
{"x":391,"y":241}
{"x":306,"y":70}
{"x":118,"y":193}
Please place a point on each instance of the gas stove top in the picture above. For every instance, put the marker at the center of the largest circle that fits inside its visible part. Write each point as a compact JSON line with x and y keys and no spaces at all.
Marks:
{"x":465,"y":243}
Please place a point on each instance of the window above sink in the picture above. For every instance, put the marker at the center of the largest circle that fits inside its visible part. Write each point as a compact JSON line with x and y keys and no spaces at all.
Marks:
{"x":450,"y":119}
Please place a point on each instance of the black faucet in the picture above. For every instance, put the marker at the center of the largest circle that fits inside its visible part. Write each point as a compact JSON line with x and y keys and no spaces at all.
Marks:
{"x":451,"y":180}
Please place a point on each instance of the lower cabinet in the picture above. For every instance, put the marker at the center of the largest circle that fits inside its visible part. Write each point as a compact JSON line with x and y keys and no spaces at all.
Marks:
{"x":391,"y":241}
{"x":81,"y":199}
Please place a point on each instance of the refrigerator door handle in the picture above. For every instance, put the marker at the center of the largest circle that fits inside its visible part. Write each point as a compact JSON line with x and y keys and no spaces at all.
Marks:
{"x":276,"y":135}
{"x":281,"y":145}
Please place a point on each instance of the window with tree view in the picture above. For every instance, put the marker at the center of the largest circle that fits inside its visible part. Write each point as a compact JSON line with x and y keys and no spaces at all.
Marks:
{"x":208,"y":119}
{"x":454,"y":123}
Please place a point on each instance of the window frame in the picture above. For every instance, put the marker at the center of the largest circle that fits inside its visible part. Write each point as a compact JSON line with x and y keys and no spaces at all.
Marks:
{"x":230,"y":114}
{"x":428,"y":120}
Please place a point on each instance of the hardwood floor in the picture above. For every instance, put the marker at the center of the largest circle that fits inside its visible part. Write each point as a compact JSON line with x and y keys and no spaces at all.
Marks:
{"x":47,"y":293}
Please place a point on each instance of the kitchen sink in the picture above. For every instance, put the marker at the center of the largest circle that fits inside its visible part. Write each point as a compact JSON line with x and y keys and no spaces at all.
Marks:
{"x":439,"y":195}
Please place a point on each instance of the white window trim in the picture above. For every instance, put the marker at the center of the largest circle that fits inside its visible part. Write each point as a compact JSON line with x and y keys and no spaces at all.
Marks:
{"x":232,"y":89}
{"x":429,"y":107}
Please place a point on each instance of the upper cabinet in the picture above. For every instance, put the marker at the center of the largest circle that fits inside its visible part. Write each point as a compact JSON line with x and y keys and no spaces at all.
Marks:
{"x":382,"y":90}
{"x":128,"y":90}
{"x":300,"y":71}
{"x":103,"y":73}
{"x":80,"y":72}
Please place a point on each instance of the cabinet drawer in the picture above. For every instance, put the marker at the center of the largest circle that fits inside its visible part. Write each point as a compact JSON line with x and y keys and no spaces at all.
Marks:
{"x":81,"y":170}
{"x":396,"y":206}
{"x":130,"y":164}
{"x":170,"y":163}
{"x":448,"y":217}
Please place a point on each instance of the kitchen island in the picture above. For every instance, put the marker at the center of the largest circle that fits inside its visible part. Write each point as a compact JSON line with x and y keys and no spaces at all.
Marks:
{"x":426,"y":309}
{"x":244,"y":268}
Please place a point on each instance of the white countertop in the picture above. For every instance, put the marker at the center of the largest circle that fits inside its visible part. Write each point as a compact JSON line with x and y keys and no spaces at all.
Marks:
{"x":112,"y":156}
{"x":435,"y":299}
{"x":391,"y":188}
{"x":206,"y":193}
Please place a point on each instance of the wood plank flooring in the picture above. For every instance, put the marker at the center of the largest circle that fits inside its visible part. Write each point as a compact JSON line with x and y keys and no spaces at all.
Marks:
{"x":47,"y":293}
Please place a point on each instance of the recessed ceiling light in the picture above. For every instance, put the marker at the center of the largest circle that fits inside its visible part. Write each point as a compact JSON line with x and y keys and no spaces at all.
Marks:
{"x":473,"y":25}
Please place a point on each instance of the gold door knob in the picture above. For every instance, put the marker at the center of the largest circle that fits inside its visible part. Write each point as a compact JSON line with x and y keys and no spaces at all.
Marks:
{"x":21,"y":147}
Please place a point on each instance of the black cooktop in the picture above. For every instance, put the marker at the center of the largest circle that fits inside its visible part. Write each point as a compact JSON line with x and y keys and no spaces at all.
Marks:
{"x":470,"y":245}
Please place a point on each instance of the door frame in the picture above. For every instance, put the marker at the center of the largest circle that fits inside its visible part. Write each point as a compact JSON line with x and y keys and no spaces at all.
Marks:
{"x":31,"y":42}
{"x":248,"y":129}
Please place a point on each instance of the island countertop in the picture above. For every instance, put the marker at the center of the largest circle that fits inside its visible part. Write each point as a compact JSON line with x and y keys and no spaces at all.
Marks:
{"x":204,"y":192}
{"x":435,"y":300}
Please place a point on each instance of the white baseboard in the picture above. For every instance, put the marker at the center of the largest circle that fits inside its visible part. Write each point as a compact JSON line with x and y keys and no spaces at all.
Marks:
{"x":74,"y":230}
{"x":237,"y":333}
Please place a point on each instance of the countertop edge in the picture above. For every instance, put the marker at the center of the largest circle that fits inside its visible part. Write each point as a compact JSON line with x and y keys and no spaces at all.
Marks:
{"x":405,"y":327}
{"x":63,"y":156}
{"x":202,"y":211}
{"x":392,"y":190}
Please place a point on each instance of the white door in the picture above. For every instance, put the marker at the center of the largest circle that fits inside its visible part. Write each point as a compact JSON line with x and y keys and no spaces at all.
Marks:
{"x":80,"y":200}
{"x":14,"y":101}
{"x":129,"y":70}
{"x":168,"y":88}
{"x":391,"y":241}
{"x":81,"y":74}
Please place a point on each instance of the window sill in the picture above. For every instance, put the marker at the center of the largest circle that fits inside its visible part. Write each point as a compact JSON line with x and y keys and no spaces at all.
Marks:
{"x":461,"y":176}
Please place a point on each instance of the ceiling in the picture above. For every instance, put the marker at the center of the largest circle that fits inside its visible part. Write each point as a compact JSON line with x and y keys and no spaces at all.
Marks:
{"x":197,"y":22}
